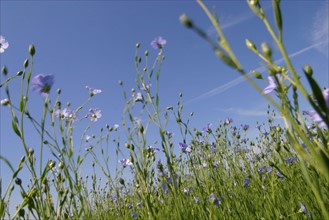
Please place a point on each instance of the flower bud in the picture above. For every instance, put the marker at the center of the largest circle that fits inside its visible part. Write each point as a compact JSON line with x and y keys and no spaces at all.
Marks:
{"x":141,"y":129}
{"x":251,"y":46}
{"x":257,"y":74}
{"x":32,"y":50}
{"x":59,"y":91}
{"x":4,"y":70}
{"x":18,"y":181}
{"x":5,"y":102}
{"x":253,"y":2}
{"x":138,"y":45}
{"x":122,"y":181}
{"x":308,"y":70}
{"x":21,"y":213}
{"x":26,"y":63}
{"x":266,"y":50}
{"x":120,"y":82}
{"x":51,"y":164}
{"x":170,"y":108}
{"x":61,"y":165}
{"x":19,"y":73}
{"x":22,"y":160}
{"x":186,"y":21}
{"x":146,"y":53}
{"x":31,"y":152}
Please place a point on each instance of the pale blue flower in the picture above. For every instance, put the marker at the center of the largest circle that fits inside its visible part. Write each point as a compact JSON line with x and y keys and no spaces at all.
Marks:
{"x":214,"y":199}
{"x":228,"y":121}
{"x":185,"y":148}
{"x":280,"y":175}
{"x":87,"y":137}
{"x":65,"y":113}
{"x":272,"y":84}
{"x":207,"y":128}
{"x":93,"y":91}
{"x":3,"y":44}
{"x":315,"y":118}
{"x":138,"y":97}
{"x":245,"y":127}
{"x":42,"y":84}
{"x":94,"y":114}
{"x":314,"y":115}
{"x":197,"y":199}
{"x":154,"y":149}
{"x":158,"y":43}
{"x":304,"y":210}
{"x":125,"y":162}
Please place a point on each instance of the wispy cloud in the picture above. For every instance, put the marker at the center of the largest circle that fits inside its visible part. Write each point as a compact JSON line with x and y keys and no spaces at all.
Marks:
{"x":230,"y":21}
{"x":320,"y":32}
{"x":233,"y":20}
{"x":222,"y":88}
{"x":246,"y":112}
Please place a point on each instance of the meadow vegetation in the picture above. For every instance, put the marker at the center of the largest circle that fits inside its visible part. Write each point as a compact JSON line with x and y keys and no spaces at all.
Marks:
{"x":218,"y":172}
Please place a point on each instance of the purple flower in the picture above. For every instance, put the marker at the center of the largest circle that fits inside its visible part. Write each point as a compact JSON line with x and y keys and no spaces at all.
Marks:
{"x":228,"y":121}
{"x":272,"y":84}
{"x":185,"y":148}
{"x":187,"y":190}
{"x":197,"y":199}
{"x":264,"y":169}
{"x":134,"y":215}
{"x":315,"y":118}
{"x":3,"y":44}
{"x":94,"y":114}
{"x":245,"y":127}
{"x":93,"y":91}
{"x":290,"y":159}
{"x":138,"y":97}
{"x":246,"y":183}
{"x":113,"y":197}
{"x":279,"y":175}
{"x":146,"y":87}
{"x":65,"y":113}
{"x":158,"y":43}
{"x":314,"y":115}
{"x":266,"y":133}
{"x":154,"y":149}
{"x":214,"y":199}
{"x":164,"y":187}
{"x":303,"y":210}
{"x":125,"y":162}
{"x":207,"y":128}
{"x":169,"y":134}
{"x":42,"y":84}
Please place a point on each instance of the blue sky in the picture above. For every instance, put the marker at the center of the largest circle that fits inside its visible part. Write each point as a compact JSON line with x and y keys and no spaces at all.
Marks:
{"x":93,"y":43}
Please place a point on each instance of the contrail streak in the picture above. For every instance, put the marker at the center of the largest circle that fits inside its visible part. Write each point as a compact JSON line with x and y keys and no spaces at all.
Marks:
{"x":222,"y":88}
